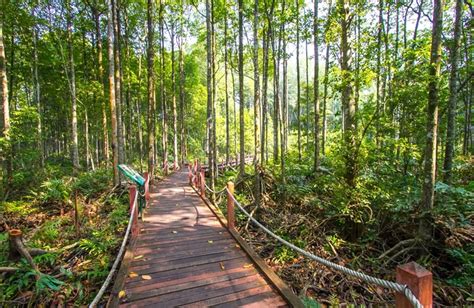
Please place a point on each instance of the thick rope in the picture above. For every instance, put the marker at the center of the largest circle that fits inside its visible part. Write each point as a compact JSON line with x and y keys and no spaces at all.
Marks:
{"x":213,"y":191}
{"x":107,"y":281}
{"x":381,"y":282}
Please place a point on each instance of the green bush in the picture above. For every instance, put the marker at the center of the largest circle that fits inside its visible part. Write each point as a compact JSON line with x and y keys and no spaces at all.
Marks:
{"x":91,"y":184}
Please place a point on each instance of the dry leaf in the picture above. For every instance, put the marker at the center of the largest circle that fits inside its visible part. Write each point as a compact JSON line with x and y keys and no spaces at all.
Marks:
{"x":122,"y":294}
{"x":138,"y":257}
{"x":175,"y":232}
{"x":146,"y":277}
{"x":237,"y":246}
{"x":248,"y":265}
{"x":210,"y":242}
{"x":222,"y":265}
{"x":132,"y":275}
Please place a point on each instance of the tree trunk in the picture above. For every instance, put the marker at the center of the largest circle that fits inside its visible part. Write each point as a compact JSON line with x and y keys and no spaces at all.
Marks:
{"x":118,"y":80}
{"x":241,"y":88}
{"x":173,"y":98}
{"x":347,"y":96}
{"x":429,"y":169}
{"x":72,"y":88}
{"x":37,"y":95}
{"x":316,"y":87}
{"x":181,"y":88}
{"x":7,"y":160}
{"x":227,"y":115}
{"x":151,"y":88}
{"x":164,"y":109}
{"x":256,"y":104}
{"x":453,"y":91}
{"x":112,"y":102}
{"x":298,"y":81}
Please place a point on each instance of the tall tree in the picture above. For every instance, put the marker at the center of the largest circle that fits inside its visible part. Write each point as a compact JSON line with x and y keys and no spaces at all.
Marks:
{"x":316,"y":86}
{"x":241,"y":87}
{"x":173,"y":99}
{"x":298,"y":81}
{"x":151,"y":87}
{"x":347,"y":94}
{"x":8,"y":167}
{"x":256,"y":104}
{"x":112,"y":102}
{"x":72,"y":88}
{"x":429,"y":169}
{"x":453,"y":94}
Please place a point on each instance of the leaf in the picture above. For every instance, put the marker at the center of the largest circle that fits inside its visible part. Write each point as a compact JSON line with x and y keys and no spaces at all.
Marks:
{"x":237,"y":246}
{"x":138,"y":257}
{"x":248,"y":265}
{"x":122,"y":294}
{"x":146,"y":277}
{"x":175,"y":231}
{"x":222,"y":265}
{"x":132,"y":275}
{"x":210,"y":242}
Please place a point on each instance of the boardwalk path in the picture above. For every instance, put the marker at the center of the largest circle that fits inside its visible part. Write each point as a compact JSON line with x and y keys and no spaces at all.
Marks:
{"x":191,"y":258}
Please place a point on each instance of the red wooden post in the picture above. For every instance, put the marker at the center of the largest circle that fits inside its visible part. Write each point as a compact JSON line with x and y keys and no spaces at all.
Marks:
{"x":230,"y":206}
{"x":132,"y":193}
{"x":419,"y":280}
{"x":203,"y":182}
{"x":147,"y":188}
{"x":190,"y":175}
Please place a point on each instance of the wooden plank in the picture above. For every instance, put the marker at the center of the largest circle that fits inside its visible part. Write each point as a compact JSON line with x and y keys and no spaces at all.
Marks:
{"x":201,"y":293}
{"x":281,"y":287}
{"x":134,"y":296}
{"x":234,"y":297}
{"x":178,"y":246}
{"x":187,"y":273}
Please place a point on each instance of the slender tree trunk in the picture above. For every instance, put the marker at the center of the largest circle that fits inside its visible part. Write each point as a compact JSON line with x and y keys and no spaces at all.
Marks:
{"x":276,"y":96}
{"x":74,"y":137}
{"x":429,"y":169}
{"x":453,"y":91}
{"x":227,"y":115}
{"x":325,"y":97}
{"x":106,"y":155}
{"x":37,"y":95}
{"x":256,"y":104}
{"x":173,"y":98}
{"x":118,"y":79}
{"x":181,"y":88}
{"x":307,"y":96}
{"x":316,"y":87}
{"x":347,"y":96}
{"x":241,"y":88}
{"x":151,"y":87}
{"x":298,"y":80}
{"x":209,"y":87}
{"x":7,"y":159}
{"x":112,"y":102}
{"x":164,"y":108}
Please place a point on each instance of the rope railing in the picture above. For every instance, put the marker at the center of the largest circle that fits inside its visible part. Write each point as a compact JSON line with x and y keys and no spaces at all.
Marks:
{"x":381,"y":282}
{"x":117,"y":261}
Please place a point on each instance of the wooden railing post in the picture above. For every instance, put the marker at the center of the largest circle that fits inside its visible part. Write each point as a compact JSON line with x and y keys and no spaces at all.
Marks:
{"x":419,"y":280}
{"x":190,"y":175}
{"x":230,"y":206}
{"x":147,"y":188}
{"x":132,"y":193}
{"x":203,"y":182}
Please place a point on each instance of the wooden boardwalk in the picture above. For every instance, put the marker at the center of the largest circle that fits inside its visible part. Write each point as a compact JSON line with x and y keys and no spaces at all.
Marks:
{"x":183,"y":256}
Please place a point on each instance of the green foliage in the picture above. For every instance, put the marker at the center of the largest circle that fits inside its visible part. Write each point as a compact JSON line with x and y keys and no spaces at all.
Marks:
{"x":310,"y":303}
{"x":55,"y":191}
{"x":90,"y":184}
{"x":463,"y":276}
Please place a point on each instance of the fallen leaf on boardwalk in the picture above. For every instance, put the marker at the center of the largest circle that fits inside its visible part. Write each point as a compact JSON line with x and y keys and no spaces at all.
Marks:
{"x":248,"y":265}
{"x":138,"y":257}
{"x":146,"y":277}
{"x":132,"y":275}
{"x":237,"y":246}
{"x":210,"y":242}
{"x":222,"y":265}
{"x":175,"y":232}
{"x":122,"y":294}
{"x":220,"y":232}
{"x":177,"y":204}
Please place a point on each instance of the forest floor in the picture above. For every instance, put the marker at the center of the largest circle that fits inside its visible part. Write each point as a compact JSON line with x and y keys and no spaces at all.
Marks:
{"x":359,"y":231}
{"x":79,"y":249}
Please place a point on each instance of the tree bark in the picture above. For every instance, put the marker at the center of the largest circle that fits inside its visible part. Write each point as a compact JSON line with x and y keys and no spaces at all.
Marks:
{"x":347,"y":95}
{"x":316,"y":87}
{"x":429,"y":169}
{"x":112,"y":102}
{"x":241,"y":88}
{"x":72,"y":85}
{"x":7,"y":160}
{"x":453,"y":94}
{"x":151,"y":88}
